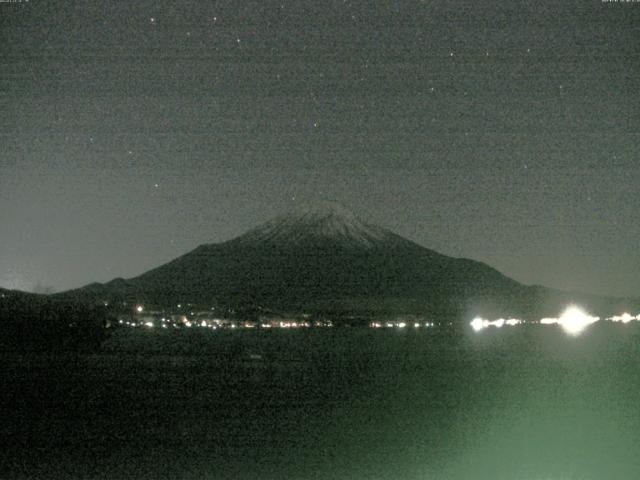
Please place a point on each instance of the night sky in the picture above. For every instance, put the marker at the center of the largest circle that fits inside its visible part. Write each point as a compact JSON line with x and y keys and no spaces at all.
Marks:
{"x":506,"y":132}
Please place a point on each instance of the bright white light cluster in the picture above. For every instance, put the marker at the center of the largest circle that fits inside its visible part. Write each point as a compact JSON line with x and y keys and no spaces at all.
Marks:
{"x":574,"y":320}
{"x":624,"y":318}
{"x":480,"y":323}
{"x":400,"y":324}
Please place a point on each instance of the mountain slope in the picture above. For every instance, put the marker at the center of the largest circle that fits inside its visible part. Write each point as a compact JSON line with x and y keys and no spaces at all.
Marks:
{"x":324,"y":258}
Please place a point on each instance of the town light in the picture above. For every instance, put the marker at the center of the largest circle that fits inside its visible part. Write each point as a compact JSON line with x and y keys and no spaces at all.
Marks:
{"x":574,"y":320}
{"x":624,"y":318}
{"x":477,"y":324}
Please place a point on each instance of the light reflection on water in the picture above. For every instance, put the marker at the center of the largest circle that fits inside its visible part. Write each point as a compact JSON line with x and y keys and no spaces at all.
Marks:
{"x":412,"y":403}
{"x":517,"y":404}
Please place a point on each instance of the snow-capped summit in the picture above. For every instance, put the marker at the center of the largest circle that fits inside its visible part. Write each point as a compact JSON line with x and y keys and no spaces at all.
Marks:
{"x":316,"y":223}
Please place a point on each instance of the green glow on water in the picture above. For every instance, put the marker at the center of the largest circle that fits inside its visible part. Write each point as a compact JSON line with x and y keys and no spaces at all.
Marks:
{"x":511,"y":403}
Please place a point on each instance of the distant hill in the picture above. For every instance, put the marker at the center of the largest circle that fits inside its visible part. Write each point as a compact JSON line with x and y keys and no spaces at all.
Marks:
{"x":18,"y":295}
{"x":324,"y":258}
{"x":35,"y":322}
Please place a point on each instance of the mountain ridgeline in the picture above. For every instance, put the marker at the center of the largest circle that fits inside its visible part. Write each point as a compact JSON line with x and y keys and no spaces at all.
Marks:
{"x":324,"y":259}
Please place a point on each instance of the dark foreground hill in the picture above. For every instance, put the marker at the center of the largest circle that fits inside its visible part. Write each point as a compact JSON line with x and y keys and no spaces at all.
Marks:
{"x":325,"y":259}
{"x":31,"y":322}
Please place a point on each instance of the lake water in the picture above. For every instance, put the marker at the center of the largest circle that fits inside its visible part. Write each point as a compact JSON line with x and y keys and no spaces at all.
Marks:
{"x":529,"y":402}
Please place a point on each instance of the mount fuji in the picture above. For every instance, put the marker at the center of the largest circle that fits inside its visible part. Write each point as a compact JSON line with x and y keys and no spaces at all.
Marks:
{"x":324,"y":258}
